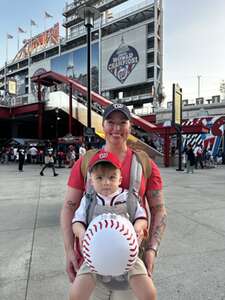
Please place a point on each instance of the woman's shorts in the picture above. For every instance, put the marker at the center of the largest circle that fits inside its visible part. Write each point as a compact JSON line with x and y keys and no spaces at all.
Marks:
{"x":137,"y":269}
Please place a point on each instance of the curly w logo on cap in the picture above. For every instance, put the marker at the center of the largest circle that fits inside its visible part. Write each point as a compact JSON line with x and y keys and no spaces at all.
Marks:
{"x":103,"y":156}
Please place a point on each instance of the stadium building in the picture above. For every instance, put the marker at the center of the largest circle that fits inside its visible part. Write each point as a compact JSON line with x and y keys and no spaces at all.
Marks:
{"x":126,"y":64}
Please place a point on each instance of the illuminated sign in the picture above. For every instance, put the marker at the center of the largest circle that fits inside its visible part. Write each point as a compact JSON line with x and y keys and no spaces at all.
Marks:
{"x":12,"y":87}
{"x":123,"y":61}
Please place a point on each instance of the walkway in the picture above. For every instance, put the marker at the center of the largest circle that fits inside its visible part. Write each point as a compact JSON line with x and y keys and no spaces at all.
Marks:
{"x":191,"y":263}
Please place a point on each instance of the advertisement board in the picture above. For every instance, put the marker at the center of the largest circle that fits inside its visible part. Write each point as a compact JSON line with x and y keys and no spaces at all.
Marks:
{"x":124,"y":58}
{"x":74,"y":65}
{"x":177,"y":105}
{"x":12,"y":87}
{"x":17,"y":84}
{"x":34,"y":70}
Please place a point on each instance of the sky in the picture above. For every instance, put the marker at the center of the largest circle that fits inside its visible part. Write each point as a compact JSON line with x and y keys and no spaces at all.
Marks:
{"x":194,"y":39}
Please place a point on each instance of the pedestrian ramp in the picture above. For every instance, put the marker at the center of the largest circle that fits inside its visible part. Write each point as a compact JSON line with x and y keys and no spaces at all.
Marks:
{"x":60,"y":100}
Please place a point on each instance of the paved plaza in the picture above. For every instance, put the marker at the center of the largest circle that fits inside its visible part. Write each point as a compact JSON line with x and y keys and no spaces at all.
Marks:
{"x":191,"y":262}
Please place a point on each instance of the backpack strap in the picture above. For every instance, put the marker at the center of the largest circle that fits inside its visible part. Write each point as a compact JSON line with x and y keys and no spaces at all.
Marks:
{"x":135,"y":182}
{"x":144,"y":160}
{"x":91,"y":202}
{"x":86,"y":159}
{"x":140,"y":166}
{"x":90,"y":194}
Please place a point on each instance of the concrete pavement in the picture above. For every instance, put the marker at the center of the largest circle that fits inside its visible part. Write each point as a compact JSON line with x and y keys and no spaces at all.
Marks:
{"x":191,"y":262}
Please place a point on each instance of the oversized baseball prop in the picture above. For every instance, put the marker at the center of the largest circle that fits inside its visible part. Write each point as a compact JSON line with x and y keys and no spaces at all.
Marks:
{"x":110,"y":245}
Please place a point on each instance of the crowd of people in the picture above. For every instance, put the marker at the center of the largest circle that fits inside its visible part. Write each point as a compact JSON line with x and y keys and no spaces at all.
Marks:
{"x":57,"y":155}
{"x":197,"y":157}
{"x":200,"y":157}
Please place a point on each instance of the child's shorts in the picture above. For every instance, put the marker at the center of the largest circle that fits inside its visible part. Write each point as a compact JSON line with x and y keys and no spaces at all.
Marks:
{"x":137,"y":269}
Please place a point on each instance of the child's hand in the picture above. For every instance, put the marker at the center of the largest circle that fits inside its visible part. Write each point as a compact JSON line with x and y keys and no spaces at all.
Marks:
{"x":81,"y":237}
{"x":140,"y":227}
{"x":79,"y":231}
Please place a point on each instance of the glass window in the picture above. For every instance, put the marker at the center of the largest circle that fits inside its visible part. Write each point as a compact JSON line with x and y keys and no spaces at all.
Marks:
{"x":150,"y":43}
{"x":151,"y":28}
{"x":150,"y":72}
{"x":150,"y":58}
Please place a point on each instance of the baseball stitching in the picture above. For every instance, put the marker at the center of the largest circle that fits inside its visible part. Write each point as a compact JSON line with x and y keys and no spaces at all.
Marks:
{"x":100,"y":225}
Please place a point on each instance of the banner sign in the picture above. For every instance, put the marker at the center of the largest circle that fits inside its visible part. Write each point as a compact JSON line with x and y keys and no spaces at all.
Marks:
{"x":177,"y":104}
{"x":124,"y":58}
{"x":12,"y":87}
{"x":40,"y":42}
{"x":123,"y":61}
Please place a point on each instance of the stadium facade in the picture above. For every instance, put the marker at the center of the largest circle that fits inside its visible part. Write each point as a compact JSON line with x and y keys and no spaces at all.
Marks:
{"x":126,"y":54}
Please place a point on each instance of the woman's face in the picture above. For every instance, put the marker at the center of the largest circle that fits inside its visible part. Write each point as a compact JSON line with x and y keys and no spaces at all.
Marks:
{"x":116,"y":128}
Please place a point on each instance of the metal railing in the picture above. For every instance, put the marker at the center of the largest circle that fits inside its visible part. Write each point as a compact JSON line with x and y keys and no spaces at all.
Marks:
{"x":12,"y":101}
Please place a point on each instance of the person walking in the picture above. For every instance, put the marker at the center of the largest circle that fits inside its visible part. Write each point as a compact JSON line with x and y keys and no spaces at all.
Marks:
{"x":116,"y":126}
{"x":71,"y":156}
{"x":190,"y":159}
{"x":49,"y":162}
{"x":21,"y":152}
{"x":82,"y":150}
{"x":198,"y":157}
{"x":33,"y":151}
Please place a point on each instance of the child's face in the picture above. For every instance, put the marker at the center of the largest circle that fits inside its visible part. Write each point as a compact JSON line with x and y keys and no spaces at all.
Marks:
{"x":105,"y":181}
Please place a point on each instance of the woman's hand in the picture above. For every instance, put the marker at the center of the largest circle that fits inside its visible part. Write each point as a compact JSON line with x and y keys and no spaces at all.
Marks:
{"x":71,"y":265}
{"x":149,"y":261}
{"x":71,"y":202}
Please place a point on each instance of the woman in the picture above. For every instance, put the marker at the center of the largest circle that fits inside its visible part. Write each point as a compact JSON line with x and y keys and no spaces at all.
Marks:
{"x":116,"y":126}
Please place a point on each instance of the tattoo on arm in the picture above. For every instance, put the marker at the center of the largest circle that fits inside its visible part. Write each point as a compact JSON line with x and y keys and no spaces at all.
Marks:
{"x":70,"y":204}
{"x":158,"y":219}
{"x":155,"y":193}
{"x":157,"y":232}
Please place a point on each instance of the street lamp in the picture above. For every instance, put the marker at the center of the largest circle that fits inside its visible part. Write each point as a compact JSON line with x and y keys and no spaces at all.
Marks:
{"x":88,"y":14}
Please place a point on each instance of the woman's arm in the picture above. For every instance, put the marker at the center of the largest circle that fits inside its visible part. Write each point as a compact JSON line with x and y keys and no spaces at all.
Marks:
{"x":71,"y":203}
{"x":158,"y":218}
{"x":157,"y":226}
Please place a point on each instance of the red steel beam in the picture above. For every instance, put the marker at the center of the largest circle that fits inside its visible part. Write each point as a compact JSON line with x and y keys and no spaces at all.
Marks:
{"x":4,"y":112}
{"x":51,"y":77}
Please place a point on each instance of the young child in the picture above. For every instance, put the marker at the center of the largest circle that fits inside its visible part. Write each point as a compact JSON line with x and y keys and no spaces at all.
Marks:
{"x":105,"y":176}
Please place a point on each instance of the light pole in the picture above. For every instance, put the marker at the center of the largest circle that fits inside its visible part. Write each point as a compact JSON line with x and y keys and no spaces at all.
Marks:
{"x":177,"y":120}
{"x":199,"y":85}
{"x":88,"y":14}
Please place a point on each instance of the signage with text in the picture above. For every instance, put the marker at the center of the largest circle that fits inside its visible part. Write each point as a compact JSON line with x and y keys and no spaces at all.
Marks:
{"x":177,"y":104}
